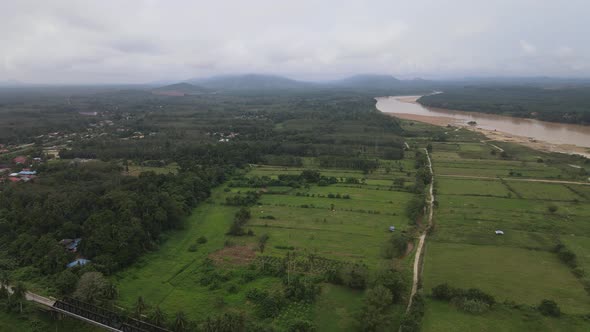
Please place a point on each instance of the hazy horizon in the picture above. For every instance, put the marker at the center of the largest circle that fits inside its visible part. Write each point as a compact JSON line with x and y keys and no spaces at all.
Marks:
{"x":67,"y":42}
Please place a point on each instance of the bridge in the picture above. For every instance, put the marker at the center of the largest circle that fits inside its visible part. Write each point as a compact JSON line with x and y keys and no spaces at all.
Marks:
{"x":89,"y":313}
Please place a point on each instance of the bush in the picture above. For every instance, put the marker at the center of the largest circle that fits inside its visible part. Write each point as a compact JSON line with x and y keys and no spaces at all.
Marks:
{"x":355,"y":276}
{"x":549,"y":308}
{"x":396,"y":245}
{"x":375,"y":315}
{"x":443,"y":292}
{"x":552,"y":208}
{"x":477,"y":294}
{"x":202,"y":240}
{"x":579,"y":272}
{"x":565,"y":255}
{"x":473,"y":306}
{"x":394,"y":281}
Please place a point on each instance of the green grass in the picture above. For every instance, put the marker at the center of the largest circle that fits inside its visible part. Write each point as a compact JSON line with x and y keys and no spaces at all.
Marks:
{"x":544,"y":191}
{"x":135,"y":170}
{"x":337,"y":308}
{"x":513,"y":274}
{"x":452,"y":186}
{"x":155,"y":276}
{"x":354,"y":232}
{"x":444,"y":317}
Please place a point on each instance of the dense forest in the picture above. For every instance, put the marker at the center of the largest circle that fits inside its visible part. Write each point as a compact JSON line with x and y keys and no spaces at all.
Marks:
{"x":566,"y":104}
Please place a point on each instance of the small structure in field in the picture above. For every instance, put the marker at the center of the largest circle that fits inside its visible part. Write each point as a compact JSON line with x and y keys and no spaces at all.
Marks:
{"x":78,"y":262}
{"x":70,"y":244}
{"x":499,"y":232}
{"x":392,"y":228}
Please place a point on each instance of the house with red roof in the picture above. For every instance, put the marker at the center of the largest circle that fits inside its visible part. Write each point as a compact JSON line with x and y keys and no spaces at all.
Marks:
{"x":20,"y":160}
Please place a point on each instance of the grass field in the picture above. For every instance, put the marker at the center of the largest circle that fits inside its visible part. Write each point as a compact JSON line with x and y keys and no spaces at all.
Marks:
{"x":443,"y":317}
{"x":513,"y":274}
{"x":306,"y":220}
{"x":477,"y":193}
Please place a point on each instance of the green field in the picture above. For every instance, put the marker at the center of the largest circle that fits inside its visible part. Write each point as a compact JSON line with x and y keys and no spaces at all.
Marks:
{"x":307,"y":220}
{"x":479,"y":192}
{"x":443,"y":317}
{"x":512,"y":274}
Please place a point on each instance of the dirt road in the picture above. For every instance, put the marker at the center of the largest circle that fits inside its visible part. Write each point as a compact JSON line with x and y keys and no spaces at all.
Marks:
{"x":422,"y":240}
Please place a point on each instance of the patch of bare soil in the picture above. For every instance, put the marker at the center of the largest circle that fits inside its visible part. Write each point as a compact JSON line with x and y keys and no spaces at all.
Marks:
{"x":409,"y":249}
{"x":236,"y":255}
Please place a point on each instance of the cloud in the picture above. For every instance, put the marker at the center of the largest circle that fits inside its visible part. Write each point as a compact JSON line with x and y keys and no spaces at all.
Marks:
{"x":68,"y":41}
{"x":528,"y":48}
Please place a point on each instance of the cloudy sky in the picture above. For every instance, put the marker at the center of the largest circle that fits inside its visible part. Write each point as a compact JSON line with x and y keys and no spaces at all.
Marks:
{"x":132,"y":41}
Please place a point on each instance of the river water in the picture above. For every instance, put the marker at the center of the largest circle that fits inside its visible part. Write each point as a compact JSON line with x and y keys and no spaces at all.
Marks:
{"x":554,"y":133}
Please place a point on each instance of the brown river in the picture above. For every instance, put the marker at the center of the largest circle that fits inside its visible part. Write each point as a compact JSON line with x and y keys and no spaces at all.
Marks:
{"x":557,"y":137}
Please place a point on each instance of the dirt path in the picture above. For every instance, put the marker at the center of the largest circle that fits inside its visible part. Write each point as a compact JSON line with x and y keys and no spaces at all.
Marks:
{"x":497,"y":147}
{"x":512,"y":179}
{"x":422,"y":240}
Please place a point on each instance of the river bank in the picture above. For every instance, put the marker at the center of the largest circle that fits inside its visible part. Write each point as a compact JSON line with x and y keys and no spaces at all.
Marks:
{"x":495,"y":135}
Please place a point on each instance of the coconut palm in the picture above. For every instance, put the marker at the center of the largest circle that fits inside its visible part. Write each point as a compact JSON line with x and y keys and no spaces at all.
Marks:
{"x":19,"y":293}
{"x":157,"y":317}
{"x":180,"y":322}
{"x":139,"y":307}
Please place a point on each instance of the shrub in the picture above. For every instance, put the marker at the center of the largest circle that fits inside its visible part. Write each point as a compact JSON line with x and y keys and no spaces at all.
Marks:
{"x":477,"y":294}
{"x":552,"y":208}
{"x":202,"y":240}
{"x":443,"y":292}
{"x":579,"y":272}
{"x":394,"y":281}
{"x":300,"y":325}
{"x":355,"y":276}
{"x":473,"y":306}
{"x":549,"y":308}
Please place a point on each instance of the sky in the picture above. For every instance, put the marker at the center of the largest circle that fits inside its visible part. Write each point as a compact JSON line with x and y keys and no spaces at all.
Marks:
{"x":138,"y":41}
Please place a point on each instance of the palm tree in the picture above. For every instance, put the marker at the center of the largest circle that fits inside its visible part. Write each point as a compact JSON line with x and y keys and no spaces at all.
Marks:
{"x":4,"y":278}
{"x":111,"y":292}
{"x":19,"y":293}
{"x":139,"y":307}
{"x":180,"y":322}
{"x":157,"y":317}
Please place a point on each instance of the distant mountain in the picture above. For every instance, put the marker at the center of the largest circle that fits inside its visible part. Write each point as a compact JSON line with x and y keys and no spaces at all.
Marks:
{"x":250,"y":82}
{"x":369,"y":81}
{"x":180,"y":89}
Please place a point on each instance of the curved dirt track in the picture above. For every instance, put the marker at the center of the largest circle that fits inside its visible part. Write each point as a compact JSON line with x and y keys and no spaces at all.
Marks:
{"x":416,"y":274}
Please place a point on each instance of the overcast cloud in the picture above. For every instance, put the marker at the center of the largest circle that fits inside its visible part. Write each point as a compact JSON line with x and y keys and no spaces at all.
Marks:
{"x":127,"y":41}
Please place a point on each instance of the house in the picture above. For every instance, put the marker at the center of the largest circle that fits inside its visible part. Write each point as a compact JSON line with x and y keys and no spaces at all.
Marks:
{"x":78,"y":262}
{"x":499,"y":232}
{"x":20,"y":160}
{"x":14,"y":179}
{"x":27,"y":172}
{"x":392,"y":228}
{"x":71,"y":244}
